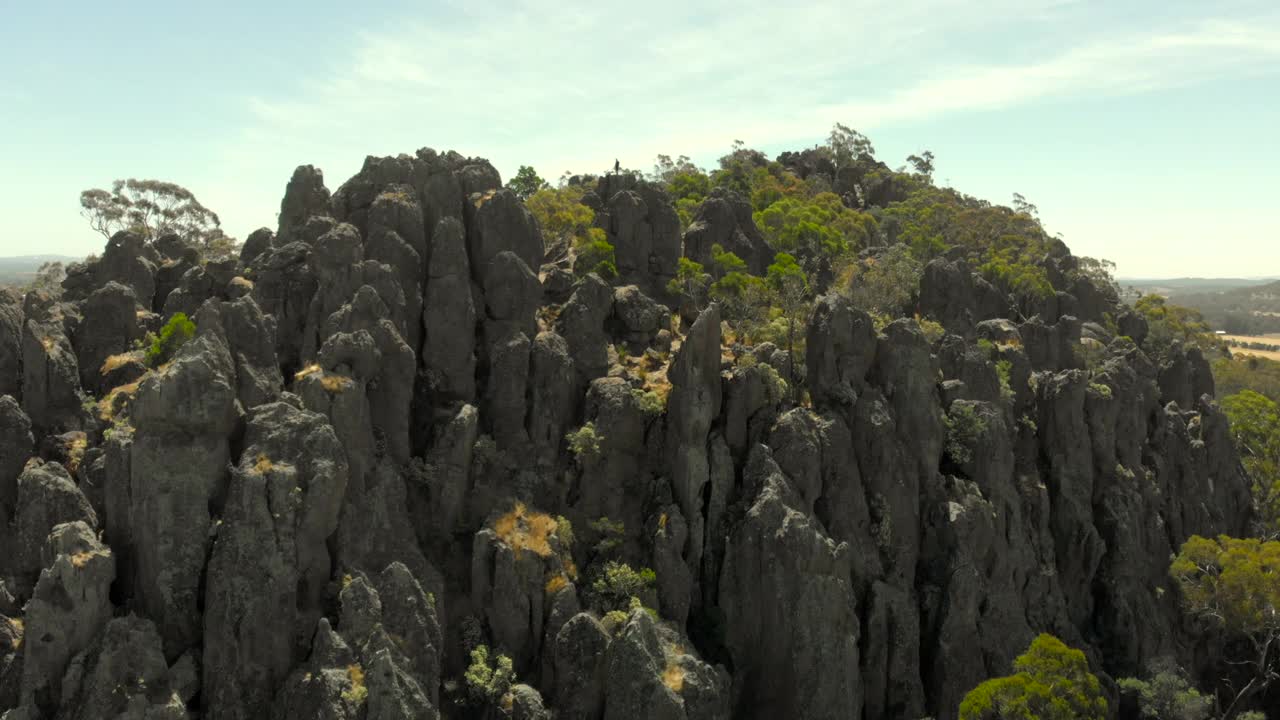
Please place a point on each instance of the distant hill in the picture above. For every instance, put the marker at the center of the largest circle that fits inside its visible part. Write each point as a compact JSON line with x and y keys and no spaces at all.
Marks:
{"x":1251,"y":310}
{"x":1171,"y":286}
{"x":19,"y":270}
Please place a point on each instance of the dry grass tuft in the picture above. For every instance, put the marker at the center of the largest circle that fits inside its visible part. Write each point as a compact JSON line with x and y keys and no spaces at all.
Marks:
{"x":335,"y":384}
{"x":80,"y":559}
{"x":18,"y":630}
{"x":308,"y":370}
{"x":523,"y":529}
{"x":263,"y":464}
{"x":107,"y":409}
{"x":115,"y":362}
{"x":673,"y":678}
{"x":358,"y":692}
{"x":557,"y":583}
{"x":75,"y":452}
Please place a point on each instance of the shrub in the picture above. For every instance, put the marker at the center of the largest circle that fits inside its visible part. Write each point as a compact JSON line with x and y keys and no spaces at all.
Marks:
{"x":1050,"y":682}
{"x":173,"y":335}
{"x":617,"y":583}
{"x":651,"y":403}
{"x":595,"y":255}
{"x":1004,"y":370}
{"x":1167,"y":696}
{"x":585,"y":443}
{"x":964,"y":428}
{"x":488,"y":683}
{"x":609,"y":535}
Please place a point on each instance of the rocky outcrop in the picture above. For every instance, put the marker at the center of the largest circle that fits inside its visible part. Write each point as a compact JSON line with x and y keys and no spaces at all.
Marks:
{"x":11,"y":324}
{"x":398,"y":436}
{"x":68,"y":608}
{"x":644,"y":229}
{"x":789,"y":609}
{"x":177,"y":466}
{"x":724,"y":219}
{"x":50,"y":370}
{"x":270,"y":561}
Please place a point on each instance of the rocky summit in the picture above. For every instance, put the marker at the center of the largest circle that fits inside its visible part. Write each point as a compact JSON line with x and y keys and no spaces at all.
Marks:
{"x":410,"y":456}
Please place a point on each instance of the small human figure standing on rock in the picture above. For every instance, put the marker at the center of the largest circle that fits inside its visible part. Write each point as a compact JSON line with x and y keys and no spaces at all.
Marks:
{"x":617,"y":167}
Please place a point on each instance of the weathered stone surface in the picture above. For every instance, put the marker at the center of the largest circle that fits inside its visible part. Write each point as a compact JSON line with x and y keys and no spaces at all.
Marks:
{"x":650,"y":676}
{"x":693,"y":404}
{"x":788,"y":608}
{"x":553,"y":400}
{"x":304,"y":196}
{"x":68,"y":608}
{"x":123,"y":674}
{"x":283,"y":285}
{"x":16,"y":447}
{"x":50,"y":371}
{"x":124,"y":260}
{"x":841,"y":346}
{"x":178,"y":461}
{"x":270,"y":561}
{"x":496,"y":222}
{"x":250,"y":337}
{"x":581,"y":668}
{"x":724,"y":219}
{"x":582,"y":324}
{"x":448,"y":344}
{"x":11,"y":323}
{"x":47,"y":497}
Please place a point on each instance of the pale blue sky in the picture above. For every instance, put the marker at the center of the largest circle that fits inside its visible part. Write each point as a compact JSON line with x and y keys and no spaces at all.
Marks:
{"x":1145,"y":131}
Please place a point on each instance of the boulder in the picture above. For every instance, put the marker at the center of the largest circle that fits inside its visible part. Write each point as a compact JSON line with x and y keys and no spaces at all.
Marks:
{"x":11,"y":324}
{"x":304,"y":196}
{"x":110,"y":327}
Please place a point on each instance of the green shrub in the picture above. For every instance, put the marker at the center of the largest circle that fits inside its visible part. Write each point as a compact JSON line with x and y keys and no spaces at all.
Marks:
{"x":595,"y":255}
{"x":175,"y":333}
{"x":585,"y":443}
{"x":608,"y":534}
{"x":651,"y":403}
{"x":488,"y":683}
{"x":617,"y":584}
{"x":964,"y":428}
{"x":1004,"y":369}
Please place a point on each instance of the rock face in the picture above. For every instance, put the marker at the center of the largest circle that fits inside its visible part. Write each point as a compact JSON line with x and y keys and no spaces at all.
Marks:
{"x":397,"y":436}
{"x":724,"y":219}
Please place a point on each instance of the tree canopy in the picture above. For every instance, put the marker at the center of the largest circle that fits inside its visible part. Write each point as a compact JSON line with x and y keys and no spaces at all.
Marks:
{"x":153,"y":208}
{"x":526,"y":182}
{"x":1234,"y":584}
{"x":1051,"y":681}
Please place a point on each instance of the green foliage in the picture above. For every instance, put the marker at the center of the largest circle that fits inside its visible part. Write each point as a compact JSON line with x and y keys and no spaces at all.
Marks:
{"x":608,"y":534}
{"x":1011,"y":266}
{"x":596,"y":255}
{"x":691,"y":282}
{"x":1100,"y":272}
{"x":1169,"y":324}
{"x":650,"y":402}
{"x":1051,"y":681}
{"x":1255,"y":431}
{"x":173,"y":335}
{"x":885,"y":284}
{"x":526,"y":183}
{"x":1167,"y":696}
{"x":740,"y":295}
{"x":964,"y":428}
{"x":1004,"y":371}
{"x":561,"y":215}
{"x":815,"y":227}
{"x":1247,"y":372}
{"x":1234,"y":584}
{"x":585,"y":443}
{"x":617,"y":583}
{"x":488,"y":682}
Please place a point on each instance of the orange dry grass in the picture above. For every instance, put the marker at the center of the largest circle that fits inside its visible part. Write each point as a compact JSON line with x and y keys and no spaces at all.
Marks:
{"x":673,"y":677}
{"x":263,"y":465}
{"x":335,"y":383}
{"x":106,"y":406}
{"x":115,"y":362}
{"x":557,"y":583}
{"x":308,"y":370}
{"x":523,"y":529}
{"x":75,"y":452}
{"x":80,"y":559}
{"x":18,"y":630}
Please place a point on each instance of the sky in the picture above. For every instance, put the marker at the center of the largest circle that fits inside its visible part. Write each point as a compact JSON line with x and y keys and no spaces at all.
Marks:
{"x":1145,"y":131}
